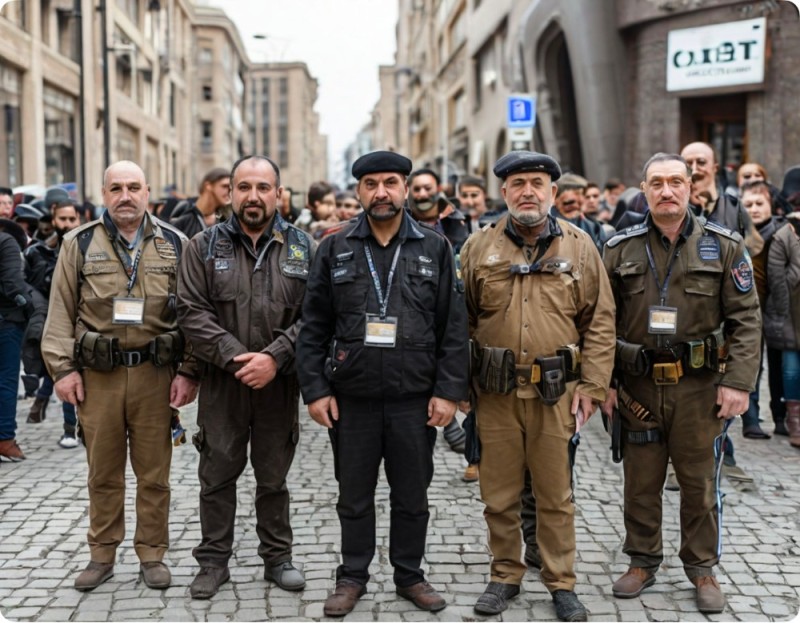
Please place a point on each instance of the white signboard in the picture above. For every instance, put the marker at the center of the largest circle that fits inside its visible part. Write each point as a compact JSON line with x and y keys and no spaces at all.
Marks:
{"x":721,"y":55}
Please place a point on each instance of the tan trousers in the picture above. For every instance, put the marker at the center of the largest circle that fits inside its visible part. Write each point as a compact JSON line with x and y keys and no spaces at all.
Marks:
{"x":128,"y":407}
{"x":514,"y":433}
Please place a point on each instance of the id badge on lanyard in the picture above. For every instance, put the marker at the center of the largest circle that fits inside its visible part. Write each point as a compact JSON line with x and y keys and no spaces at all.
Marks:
{"x":128,"y":310}
{"x":380,"y":329}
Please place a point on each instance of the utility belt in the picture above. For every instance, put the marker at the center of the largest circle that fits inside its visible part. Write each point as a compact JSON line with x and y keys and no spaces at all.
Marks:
{"x":498,"y":372}
{"x":666,"y":366}
{"x":97,"y":352}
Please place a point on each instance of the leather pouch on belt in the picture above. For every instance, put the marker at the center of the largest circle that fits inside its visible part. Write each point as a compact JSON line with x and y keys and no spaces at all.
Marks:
{"x":97,"y":352}
{"x":631,"y":358}
{"x":497,"y":368}
{"x":167,"y":349}
{"x":553,"y":383}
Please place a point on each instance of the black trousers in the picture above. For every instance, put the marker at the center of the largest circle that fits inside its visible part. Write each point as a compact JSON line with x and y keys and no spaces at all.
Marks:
{"x":231,"y":415}
{"x":396,"y":431}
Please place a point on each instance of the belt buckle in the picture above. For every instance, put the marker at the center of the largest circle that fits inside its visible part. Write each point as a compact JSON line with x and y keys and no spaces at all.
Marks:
{"x":666,"y":373}
{"x":131,"y":358}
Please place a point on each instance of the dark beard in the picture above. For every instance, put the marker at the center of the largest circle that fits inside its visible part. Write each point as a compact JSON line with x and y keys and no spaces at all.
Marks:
{"x":391,"y":211}
{"x":257,"y":222}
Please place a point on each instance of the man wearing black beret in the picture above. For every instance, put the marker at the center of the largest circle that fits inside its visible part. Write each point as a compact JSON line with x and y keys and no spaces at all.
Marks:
{"x":382,"y":361}
{"x":541,"y":315}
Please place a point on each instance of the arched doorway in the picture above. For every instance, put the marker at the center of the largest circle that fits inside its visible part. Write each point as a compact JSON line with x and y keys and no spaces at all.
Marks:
{"x":556,"y":95}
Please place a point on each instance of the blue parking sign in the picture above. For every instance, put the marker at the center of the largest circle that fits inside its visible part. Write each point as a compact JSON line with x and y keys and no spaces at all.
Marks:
{"x":521,"y":111}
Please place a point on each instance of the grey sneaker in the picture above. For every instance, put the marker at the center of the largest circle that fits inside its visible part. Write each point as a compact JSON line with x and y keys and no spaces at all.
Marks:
{"x":285,"y":575}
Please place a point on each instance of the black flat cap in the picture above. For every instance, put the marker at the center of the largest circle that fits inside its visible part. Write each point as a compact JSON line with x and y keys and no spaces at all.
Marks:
{"x":526,"y":161}
{"x":57,"y":195}
{"x":381,"y":162}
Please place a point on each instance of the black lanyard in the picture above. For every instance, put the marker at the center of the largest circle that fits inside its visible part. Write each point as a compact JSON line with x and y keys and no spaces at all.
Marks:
{"x":661,"y":287}
{"x":131,"y":266}
{"x":383,"y":302}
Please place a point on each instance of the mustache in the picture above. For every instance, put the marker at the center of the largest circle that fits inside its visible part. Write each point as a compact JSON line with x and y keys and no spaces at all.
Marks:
{"x":253,"y":204}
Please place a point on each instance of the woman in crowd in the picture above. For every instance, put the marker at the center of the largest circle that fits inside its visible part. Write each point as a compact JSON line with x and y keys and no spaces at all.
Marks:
{"x":757,"y":200}
{"x":782,"y":315}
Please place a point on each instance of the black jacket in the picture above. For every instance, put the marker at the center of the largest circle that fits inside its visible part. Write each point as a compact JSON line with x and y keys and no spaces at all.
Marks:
{"x":15,"y":295}
{"x":40,"y":263}
{"x":431,"y":353}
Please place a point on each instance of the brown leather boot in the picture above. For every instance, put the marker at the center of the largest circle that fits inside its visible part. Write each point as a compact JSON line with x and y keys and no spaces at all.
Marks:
{"x":10,"y":450}
{"x":793,"y":421}
{"x":38,"y":411}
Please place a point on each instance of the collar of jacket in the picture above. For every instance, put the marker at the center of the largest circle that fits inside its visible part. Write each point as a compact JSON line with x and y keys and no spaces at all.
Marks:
{"x":550,"y":231}
{"x":768,"y":228}
{"x":147,"y":226}
{"x":688,"y":227}
{"x":277,"y":230}
{"x":408,"y":228}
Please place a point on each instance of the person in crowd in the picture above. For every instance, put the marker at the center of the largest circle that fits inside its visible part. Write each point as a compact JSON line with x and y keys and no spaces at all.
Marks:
{"x":568,"y":206}
{"x":535,"y":388}
{"x":347,"y":205}
{"x":28,"y":216}
{"x":782,"y":312}
{"x":320,"y":211}
{"x":197,"y":214}
{"x":756,"y":198}
{"x":112,"y":345}
{"x":630,"y":209}
{"x":40,"y":264}
{"x":753,"y":172}
{"x":591,"y":204}
{"x":611,"y":191}
{"x":428,"y":205}
{"x":382,"y":361}
{"x":474,"y":202}
{"x":16,"y":306}
{"x":684,"y":293}
{"x":6,"y":202}
{"x":288,"y":212}
{"x":240,"y":292}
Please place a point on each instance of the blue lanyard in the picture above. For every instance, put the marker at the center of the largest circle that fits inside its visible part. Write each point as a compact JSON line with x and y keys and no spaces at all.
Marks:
{"x":383,"y":302}
{"x":662,"y":288}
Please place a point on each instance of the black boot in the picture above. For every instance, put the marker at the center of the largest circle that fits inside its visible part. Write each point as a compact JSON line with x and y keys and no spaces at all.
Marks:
{"x":38,"y":411}
{"x":780,"y":427}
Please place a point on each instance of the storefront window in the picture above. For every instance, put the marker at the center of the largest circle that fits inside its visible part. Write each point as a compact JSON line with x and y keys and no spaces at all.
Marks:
{"x":10,"y":144}
{"x":59,"y":136}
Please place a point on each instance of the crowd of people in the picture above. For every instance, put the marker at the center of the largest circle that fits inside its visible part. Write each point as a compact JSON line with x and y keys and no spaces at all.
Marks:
{"x":387,"y":307}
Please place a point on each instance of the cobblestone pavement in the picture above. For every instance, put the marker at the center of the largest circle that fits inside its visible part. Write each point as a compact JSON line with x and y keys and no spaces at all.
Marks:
{"x":43,"y":523}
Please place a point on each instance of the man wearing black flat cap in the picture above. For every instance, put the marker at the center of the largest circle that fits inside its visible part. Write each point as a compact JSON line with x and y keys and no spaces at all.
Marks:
{"x":382,"y":361}
{"x":541,"y":316}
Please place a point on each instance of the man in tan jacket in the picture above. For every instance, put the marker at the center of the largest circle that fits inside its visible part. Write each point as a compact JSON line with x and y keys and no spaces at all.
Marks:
{"x":112,"y":346}
{"x":541,"y":315}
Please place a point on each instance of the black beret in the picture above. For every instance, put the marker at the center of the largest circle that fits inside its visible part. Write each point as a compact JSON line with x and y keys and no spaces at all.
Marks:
{"x":55,"y":194}
{"x":381,"y":162}
{"x":526,"y":161}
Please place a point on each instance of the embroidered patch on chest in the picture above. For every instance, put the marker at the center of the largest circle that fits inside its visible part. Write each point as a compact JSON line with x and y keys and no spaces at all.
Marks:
{"x":708,"y":248}
{"x":165,"y":249}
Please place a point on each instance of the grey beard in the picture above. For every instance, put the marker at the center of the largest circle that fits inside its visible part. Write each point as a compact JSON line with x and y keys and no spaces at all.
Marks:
{"x":529,"y":218}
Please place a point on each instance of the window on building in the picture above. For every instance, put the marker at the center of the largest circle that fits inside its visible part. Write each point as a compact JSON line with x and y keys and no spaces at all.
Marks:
{"x":205,"y":56}
{"x":124,"y":74}
{"x":10,"y":140}
{"x":458,"y":31}
{"x":65,"y":32}
{"x":127,"y":137}
{"x":206,"y":135}
{"x":265,"y":86}
{"x":283,"y":87}
{"x":283,"y":146}
{"x":459,"y":111}
{"x":207,"y":93}
{"x":172,"y":104}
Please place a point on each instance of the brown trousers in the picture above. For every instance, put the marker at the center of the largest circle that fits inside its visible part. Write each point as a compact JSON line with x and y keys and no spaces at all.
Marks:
{"x":516,"y":433}
{"x":685,"y":416}
{"x":127,"y":408}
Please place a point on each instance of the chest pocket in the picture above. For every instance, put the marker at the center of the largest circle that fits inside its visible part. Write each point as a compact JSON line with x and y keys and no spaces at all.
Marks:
{"x":349,"y":287}
{"x":159,"y":279}
{"x":559,"y":291}
{"x":704,"y":282}
{"x":495,"y":283}
{"x":630,"y":277}
{"x":224,"y":285}
{"x":102,"y":279}
{"x":420,"y":284}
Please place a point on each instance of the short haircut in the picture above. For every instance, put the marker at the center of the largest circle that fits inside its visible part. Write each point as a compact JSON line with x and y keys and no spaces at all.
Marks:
{"x":591,"y":185}
{"x":257,"y":157}
{"x":419,"y":172}
{"x":345,"y":194}
{"x":612,"y":183}
{"x":665,"y":157}
{"x":64,"y":204}
{"x":212,"y":177}
{"x":317,"y":191}
{"x":472,"y":180}
{"x":757,"y":186}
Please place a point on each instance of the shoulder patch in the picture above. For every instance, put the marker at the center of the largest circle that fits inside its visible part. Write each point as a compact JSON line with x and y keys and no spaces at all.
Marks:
{"x":742,"y":273}
{"x":630,"y":232}
{"x":722,"y":231}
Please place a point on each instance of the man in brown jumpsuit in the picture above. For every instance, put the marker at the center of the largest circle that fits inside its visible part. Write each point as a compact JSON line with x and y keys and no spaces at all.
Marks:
{"x":677,"y":280}
{"x":541,"y":314}
{"x":112,"y":346}
{"x":240,"y":293}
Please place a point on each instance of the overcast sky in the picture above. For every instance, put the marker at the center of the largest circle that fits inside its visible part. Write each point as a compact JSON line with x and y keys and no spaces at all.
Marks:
{"x":342,"y":41}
